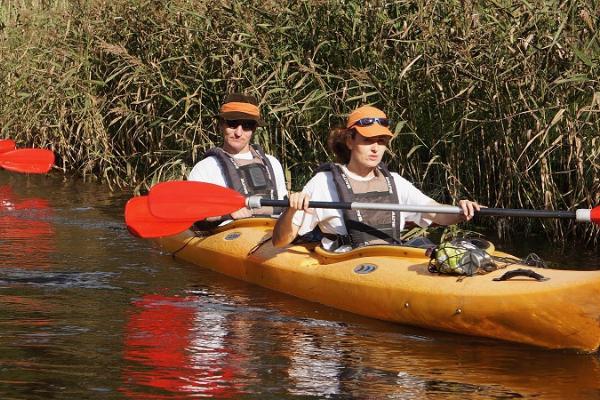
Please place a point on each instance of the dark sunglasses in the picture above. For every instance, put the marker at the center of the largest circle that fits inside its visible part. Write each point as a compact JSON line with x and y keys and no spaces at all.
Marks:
{"x":247,"y":124}
{"x":370,"y":121}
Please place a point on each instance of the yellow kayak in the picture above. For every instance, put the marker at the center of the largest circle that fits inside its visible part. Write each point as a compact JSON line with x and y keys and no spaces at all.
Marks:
{"x":392,"y":283}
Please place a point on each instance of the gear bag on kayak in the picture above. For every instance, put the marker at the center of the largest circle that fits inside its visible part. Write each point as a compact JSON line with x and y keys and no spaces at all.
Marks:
{"x":460,"y":257}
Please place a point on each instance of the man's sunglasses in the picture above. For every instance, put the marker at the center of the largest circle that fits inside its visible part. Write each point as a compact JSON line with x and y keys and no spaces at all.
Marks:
{"x":247,"y":124}
{"x":370,"y":121}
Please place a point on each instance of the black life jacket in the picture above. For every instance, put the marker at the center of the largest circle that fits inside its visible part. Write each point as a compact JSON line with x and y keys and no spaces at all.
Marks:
{"x":366,"y":227}
{"x":249,"y":177}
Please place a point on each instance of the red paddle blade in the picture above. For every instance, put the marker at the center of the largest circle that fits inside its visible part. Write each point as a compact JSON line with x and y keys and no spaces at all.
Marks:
{"x":30,"y":161}
{"x":193,"y":201}
{"x":7,"y":145}
{"x":140,"y":222}
{"x":595,"y":215}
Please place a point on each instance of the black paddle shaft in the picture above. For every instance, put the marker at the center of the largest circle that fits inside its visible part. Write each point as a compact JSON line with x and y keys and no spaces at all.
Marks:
{"x":516,"y":212}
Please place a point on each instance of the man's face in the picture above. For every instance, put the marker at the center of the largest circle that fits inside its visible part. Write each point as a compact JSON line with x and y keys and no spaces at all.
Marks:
{"x":237,"y":134}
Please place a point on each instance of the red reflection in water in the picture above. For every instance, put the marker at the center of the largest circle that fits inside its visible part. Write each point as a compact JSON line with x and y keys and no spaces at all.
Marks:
{"x":27,"y":238}
{"x":26,"y":241}
{"x":175,"y":348}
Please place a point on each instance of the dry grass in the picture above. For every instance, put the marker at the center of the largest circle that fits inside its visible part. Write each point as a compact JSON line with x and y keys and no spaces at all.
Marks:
{"x":496,"y":101}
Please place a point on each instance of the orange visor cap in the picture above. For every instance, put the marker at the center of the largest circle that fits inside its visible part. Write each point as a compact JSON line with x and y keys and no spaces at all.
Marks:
{"x":363,"y":114}
{"x":239,"y":106}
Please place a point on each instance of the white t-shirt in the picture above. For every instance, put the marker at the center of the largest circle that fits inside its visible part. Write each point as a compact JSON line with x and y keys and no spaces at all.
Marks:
{"x":209,"y":170}
{"x":321,"y":187}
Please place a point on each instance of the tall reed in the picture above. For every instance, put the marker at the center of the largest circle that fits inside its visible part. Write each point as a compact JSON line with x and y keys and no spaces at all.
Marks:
{"x":495,"y":101}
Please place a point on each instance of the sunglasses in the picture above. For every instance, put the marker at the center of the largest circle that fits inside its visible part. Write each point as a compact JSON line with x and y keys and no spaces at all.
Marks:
{"x":247,"y":124}
{"x":370,"y":121}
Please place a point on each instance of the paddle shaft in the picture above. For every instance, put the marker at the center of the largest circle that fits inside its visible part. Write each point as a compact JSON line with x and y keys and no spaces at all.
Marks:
{"x":182,"y":201}
{"x":255,"y":202}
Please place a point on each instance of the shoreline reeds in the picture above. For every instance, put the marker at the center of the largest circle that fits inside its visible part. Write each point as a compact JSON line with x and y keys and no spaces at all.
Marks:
{"x":494,"y":101}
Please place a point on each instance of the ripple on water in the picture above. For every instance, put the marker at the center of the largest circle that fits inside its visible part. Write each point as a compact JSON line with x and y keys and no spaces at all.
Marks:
{"x":58,"y":280}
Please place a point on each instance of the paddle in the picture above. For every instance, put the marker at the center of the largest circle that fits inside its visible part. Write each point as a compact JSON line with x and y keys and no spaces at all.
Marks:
{"x":7,"y":145}
{"x":193,"y":201}
{"x":140,"y":222}
{"x":172,"y":207}
{"x":30,"y":161}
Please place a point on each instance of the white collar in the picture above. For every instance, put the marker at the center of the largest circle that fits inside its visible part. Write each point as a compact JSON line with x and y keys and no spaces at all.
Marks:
{"x":357,"y":177}
{"x":242,"y":156}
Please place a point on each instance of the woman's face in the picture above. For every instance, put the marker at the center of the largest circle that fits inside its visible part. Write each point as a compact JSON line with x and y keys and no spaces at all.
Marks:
{"x":367,"y":152}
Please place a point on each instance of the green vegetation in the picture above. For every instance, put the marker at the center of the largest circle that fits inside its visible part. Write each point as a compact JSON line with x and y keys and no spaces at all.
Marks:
{"x":497,"y":101}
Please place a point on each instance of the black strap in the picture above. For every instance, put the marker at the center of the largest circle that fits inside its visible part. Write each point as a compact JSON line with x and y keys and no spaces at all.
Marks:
{"x":269,"y":166}
{"x":521,"y":272}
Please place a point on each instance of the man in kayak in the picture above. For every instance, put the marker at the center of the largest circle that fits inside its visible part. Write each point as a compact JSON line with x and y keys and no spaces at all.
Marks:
{"x":359,"y":177}
{"x":238,"y":164}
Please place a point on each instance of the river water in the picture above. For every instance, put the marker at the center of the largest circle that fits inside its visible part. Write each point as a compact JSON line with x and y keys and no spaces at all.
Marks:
{"x":88,"y":311}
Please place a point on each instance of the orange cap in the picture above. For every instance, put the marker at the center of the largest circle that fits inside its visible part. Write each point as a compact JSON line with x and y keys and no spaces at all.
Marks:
{"x":243,"y":108}
{"x":239,"y":106}
{"x":374,"y":129}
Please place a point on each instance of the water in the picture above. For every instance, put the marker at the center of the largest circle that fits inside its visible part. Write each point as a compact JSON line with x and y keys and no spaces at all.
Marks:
{"x":88,"y":311}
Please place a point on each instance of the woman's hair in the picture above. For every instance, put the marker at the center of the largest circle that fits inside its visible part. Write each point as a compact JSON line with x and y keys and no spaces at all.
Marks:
{"x":337,"y":143}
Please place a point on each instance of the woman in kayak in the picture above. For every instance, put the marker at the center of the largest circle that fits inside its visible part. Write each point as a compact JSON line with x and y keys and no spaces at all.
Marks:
{"x":359,"y":176}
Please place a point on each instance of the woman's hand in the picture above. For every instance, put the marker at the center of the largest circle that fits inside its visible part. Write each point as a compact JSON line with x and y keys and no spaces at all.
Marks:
{"x":285,"y":231}
{"x":468,"y":207}
{"x":299,"y":201}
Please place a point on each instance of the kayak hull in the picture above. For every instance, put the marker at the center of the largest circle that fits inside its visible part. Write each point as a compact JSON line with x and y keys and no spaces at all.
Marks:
{"x":392,"y":283}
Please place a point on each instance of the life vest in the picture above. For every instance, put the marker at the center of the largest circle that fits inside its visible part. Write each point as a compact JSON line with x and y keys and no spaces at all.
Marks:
{"x":367,"y":227}
{"x":253,"y":177}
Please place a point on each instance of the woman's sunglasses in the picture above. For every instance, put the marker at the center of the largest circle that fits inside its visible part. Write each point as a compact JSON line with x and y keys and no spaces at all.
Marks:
{"x":247,"y":124}
{"x":370,"y":121}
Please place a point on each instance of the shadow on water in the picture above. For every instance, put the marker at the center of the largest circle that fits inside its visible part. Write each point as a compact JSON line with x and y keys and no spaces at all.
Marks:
{"x":87,"y":311}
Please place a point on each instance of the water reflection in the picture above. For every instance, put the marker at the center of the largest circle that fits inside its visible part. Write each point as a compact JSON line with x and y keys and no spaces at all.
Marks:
{"x":27,"y":236}
{"x":26,"y":242}
{"x":86,"y":311}
{"x":234,"y":340}
{"x":315,"y":365}
{"x":179,"y":347}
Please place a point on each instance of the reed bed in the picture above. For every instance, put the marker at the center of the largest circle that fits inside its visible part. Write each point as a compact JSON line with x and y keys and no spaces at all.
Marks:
{"x":497,"y":101}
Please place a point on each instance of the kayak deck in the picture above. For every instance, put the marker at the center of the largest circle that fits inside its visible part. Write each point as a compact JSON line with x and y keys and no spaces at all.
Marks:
{"x":393,"y":283}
